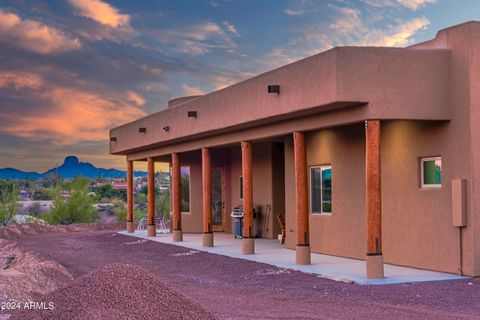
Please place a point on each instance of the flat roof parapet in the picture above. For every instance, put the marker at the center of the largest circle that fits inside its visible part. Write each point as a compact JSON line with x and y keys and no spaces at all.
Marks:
{"x":181,"y":100}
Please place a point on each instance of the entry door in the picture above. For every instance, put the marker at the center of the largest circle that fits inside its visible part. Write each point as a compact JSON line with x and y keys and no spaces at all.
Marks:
{"x":218,"y":202}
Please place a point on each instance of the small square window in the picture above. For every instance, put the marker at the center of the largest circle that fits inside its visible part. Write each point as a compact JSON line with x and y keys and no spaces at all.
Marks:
{"x":431,"y":172}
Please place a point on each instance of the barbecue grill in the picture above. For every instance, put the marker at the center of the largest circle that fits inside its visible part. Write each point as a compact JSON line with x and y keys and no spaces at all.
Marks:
{"x":237,"y":214}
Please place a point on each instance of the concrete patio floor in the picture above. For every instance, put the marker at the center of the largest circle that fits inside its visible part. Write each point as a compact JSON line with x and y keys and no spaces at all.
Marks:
{"x":325,"y":266}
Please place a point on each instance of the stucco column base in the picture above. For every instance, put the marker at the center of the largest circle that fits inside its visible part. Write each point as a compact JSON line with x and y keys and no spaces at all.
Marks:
{"x":177,"y":235}
{"x":302,"y":255}
{"x":374,"y":267}
{"x":130,"y":227}
{"x":248,"y":245}
{"x":207,"y":239}
{"x":151,"y":231}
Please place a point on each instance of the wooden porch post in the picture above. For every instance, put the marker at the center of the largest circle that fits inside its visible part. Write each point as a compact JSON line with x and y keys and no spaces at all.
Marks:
{"x":130,"y":223}
{"x":176,"y":198}
{"x":374,"y":258}
{"x":301,"y":192}
{"x":248,"y":236}
{"x":207,"y":239}
{"x":151,"y":229}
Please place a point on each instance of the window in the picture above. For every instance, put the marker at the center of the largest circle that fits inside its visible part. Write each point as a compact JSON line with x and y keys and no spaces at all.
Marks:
{"x":321,"y":189}
{"x":185,"y":188}
{"x":431,"y":172}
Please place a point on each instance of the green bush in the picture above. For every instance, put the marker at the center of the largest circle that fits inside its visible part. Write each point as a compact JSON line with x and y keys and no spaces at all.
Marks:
{"x":78,"y":208}
{"x":8,"y":203}
{"x":42,"y":194}
{"x":163,"y":205}
{"x":120,"y":209}
{"x":108,"y":192}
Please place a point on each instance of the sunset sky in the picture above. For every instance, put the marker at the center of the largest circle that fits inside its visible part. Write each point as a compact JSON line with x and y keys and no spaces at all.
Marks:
{"x":72,"y":69}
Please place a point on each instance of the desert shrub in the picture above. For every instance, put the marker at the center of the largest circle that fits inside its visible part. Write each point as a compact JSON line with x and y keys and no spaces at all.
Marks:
{"x":163,"y":205}
{"x":42,"y":194}
{"x":78,"y":208}
{"x":35,"y":209}
{"x":108,"y":192}
{"x":120,"y":209}
{"x":8,"y":203}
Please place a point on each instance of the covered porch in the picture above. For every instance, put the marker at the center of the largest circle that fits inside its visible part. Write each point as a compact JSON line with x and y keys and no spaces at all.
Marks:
{"x":270,"y":251}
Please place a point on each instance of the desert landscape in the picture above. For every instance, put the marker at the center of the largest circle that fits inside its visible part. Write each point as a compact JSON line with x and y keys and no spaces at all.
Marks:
{"x":91,"y":272}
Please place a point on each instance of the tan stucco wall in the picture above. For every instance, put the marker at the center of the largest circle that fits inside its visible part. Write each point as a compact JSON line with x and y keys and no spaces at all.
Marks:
{"x":338,"y":78}
{"x":413,"y":218}
{"x":192,"y":221}
{"x":463,"y":42}
{"x":343,"y":232}
{"x":417,"y":225}
{"x":264,"y":177}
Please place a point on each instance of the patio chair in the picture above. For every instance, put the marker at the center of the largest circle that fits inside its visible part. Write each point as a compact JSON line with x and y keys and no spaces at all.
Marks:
{"x":282,"y":227}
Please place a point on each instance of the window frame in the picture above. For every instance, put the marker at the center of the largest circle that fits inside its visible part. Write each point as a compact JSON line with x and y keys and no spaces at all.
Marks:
{"x":322,"y":168}
{"x":423,"y":185}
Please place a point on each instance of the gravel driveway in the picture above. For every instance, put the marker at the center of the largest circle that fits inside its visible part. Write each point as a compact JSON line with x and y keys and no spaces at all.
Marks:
{"x":239,"y":289}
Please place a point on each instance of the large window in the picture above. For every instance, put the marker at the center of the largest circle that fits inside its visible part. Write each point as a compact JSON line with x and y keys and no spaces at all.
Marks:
{"x":321,"y":189}
{"x":431,"y":172}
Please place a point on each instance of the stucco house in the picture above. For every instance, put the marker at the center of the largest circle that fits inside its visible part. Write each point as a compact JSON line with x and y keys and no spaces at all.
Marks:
{"x":366,"y":152}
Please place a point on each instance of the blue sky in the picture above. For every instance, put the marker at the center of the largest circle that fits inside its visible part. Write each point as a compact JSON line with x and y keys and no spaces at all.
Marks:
{"x":72,"y":69}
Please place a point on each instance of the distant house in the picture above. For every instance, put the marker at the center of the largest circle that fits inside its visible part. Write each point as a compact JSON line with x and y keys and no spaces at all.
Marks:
{"x":119,"y":184}
{"x":365,"y":152}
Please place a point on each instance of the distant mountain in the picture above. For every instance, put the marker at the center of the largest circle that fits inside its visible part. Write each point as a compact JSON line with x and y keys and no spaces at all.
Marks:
{"x":11,"y":173}
{"x":70,"y":168}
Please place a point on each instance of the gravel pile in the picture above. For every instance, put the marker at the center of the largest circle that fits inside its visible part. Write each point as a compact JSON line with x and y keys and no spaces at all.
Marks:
{"x":117,"y":291}
{"x":24,"y":273}
{"x":16,"y":231}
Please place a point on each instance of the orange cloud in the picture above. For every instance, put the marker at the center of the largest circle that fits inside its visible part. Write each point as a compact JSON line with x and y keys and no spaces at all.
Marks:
{"x":101,"y":12}
{"x":191,"y":91}
{"x":19,"y":80}
{"x":34,"y":36}
{"x":73,"y":114}
{"x":135,"y":98}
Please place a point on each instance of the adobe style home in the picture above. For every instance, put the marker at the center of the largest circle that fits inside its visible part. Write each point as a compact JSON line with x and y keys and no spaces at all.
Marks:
{"x":366,"y":152}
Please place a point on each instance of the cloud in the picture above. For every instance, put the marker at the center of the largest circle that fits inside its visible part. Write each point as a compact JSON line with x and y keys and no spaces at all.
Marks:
{"x":101,"y":12}
{"x":348,"y":28}
{"x":302,"y":7}
{"x":135,"y":98}
{"x":410,"y":4}
{"x":200,"y":38}
{"x":415,"y":4}
{"x":61,"y":113}
{"x":19,"y":80}
{"x":34,"y":36}
{"x":294,"y":12}
{"x":230,"y":27}
{"x":191,"y":91}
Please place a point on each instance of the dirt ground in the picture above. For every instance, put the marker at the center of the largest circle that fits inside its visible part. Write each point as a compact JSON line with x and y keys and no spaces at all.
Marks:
{"x":238,"y":289}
